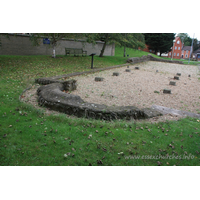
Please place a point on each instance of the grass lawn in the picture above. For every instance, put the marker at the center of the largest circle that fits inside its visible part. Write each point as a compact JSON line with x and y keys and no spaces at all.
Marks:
{"x":28,"y":137}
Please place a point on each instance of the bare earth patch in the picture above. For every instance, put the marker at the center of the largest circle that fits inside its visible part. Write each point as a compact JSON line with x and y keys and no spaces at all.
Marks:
{"x":136,"y":88}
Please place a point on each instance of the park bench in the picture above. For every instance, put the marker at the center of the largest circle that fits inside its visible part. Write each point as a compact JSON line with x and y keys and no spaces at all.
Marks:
{"x":75,"y":52}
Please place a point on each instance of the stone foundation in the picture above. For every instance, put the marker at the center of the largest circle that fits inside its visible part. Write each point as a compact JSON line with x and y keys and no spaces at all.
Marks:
{"x":51,"y":95}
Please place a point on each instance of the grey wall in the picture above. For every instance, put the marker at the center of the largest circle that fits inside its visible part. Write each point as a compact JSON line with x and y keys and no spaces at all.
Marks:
{"x":21,"y":45}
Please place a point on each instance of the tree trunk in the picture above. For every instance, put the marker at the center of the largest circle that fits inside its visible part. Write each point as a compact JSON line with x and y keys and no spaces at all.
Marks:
{"x":54,"y":52}
{"x":124,"y":51}
{"x":104,"y":46}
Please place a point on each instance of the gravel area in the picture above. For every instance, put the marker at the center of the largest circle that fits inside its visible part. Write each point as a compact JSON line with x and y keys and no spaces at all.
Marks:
{"x":137,"y":88}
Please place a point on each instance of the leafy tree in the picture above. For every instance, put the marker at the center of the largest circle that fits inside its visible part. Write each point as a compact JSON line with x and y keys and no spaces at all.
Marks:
{"x":196,"y":44}
{"x":130,"y":40}
{"x":187,"y":41}
{"x":185,"y":38}
{"x":160,"y":42}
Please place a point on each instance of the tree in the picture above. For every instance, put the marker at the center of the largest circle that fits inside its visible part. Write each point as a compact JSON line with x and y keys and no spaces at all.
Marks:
{"x":196,"y":44}
{"x":182,"y":36}
{"x":130,"y":40}
{"x":160,"y":42}
{"x":185,"y":39}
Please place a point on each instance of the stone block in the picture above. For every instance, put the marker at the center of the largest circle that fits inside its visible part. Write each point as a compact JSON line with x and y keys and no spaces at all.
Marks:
{"x":172,"y":83}
{"x":115,"y":73}
{"x":98,"y":79}
{"x":167,"y":91}
{"x":70,"y":85}
{"x":128,"y":70}
{"x":137,"y":68}
{"x":178,"y":74}
{"x":176,"y":77}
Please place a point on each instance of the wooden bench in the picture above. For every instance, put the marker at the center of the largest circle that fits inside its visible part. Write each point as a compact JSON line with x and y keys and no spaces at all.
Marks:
{"x":75,"y":52}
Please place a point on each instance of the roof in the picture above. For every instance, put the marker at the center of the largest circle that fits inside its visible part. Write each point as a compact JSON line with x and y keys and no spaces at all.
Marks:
{"x":177,"y":38}
{"x":197,"y":51}
{"x":185,"y":48}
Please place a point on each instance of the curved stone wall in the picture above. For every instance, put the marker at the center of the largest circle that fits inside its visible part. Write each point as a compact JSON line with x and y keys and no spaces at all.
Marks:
{"x":52,"y":96}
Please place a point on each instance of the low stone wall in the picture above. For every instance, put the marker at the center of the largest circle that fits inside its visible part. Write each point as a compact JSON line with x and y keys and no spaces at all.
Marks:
{"x":52,"y":96}
{"x":135,"y":60}
{"x":55,"y":79}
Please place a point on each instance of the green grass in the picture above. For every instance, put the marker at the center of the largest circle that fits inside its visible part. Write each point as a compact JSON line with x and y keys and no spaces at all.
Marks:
{"x":28,"y":137}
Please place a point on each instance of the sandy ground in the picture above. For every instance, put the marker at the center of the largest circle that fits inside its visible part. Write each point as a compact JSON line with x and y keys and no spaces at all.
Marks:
{"x":137,"y":88}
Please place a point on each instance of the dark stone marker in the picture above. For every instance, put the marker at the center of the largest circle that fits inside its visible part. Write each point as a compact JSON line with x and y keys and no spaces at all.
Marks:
{"x":166,"y":91}
{"x":178,"y":74}
{"x":157,"y":71}
{"x":115,"y":73}
{"x":176,"y":77}
{"x":128,"y":70}
{"x":137,"y":68}
{"x":128,"y":66}
{"x":172,"y":83}
{"x":98,"y":79}
{"x":70,"y":85}
{"x":189,"y":75}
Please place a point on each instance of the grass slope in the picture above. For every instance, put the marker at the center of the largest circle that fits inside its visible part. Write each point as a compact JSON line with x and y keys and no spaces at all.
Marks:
{"x":30,"y":138}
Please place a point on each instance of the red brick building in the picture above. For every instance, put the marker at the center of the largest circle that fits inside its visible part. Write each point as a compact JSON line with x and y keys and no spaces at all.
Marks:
{"x":177,"y":49}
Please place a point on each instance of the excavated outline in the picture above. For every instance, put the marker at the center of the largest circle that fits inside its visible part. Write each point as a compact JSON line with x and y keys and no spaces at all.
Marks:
{"x":51,"y":95}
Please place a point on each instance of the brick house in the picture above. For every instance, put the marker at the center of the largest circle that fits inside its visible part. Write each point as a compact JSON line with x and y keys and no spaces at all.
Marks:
{"x":177,"y":49}
{"x":185,"y":52}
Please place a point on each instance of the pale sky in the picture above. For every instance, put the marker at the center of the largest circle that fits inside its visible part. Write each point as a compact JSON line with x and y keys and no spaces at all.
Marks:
{"x":196,"y":35}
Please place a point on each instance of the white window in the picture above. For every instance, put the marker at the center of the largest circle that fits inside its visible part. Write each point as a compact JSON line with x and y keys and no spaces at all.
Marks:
{"x":177,"y":54}
{"x":186,"y":55}
{"x":174,"y":54}
{"x":183,"y":51}
{"x":170,"y":53}
{"x":178,"y":48}
{"x":178,"y":42}
{"x":175,"y":47}
{"x":187,"y":51}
